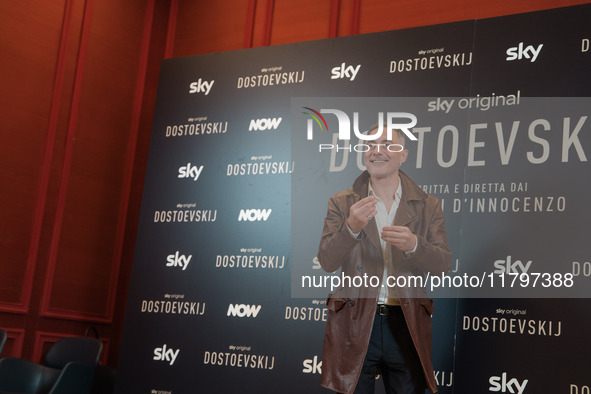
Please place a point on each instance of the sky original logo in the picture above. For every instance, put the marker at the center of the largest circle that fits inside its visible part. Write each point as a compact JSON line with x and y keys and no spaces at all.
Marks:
{"x":312,"y":366}
{"x":165,"y":354}
{"x":520,"y":52}
{"x":254,"y":215}
{"x":200,"y":86}
{"x":502,"y":385}
{"x":241,"y":310}
{"x":344,"y":71}
{"x":178,"y":260}
{"x":190,"y":171}
{"x":264,"y":124}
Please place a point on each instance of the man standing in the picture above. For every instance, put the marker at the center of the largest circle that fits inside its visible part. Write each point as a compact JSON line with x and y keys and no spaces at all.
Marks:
{"x":385,"y":227}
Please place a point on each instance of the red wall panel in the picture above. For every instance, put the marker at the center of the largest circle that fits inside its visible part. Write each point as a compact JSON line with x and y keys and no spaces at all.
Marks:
{"x":304,"y":20}
{"x":209,"y":26}
{"x":380,"y":15}
{"x":73,"y":90}
{"x":82,"y":259}
{"x":228,"y":23}
{"x":31,"y":35}
{"x":14,"y":343}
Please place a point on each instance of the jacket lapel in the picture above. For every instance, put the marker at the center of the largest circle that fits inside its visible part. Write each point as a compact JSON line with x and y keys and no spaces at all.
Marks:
{"x":360,"y":187}
{"x":405,"y":214}
{"x":371,"y":230}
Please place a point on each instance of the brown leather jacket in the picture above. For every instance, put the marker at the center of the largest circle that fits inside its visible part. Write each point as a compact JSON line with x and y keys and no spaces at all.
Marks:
{"x":353,"y":308}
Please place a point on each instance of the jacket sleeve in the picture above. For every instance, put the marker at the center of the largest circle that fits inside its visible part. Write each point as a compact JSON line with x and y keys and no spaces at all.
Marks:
{"x":432,"y":254}
{"x":337,"y":241}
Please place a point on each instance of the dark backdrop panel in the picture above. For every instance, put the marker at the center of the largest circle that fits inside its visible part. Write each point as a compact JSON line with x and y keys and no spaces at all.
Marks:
{"x":235,"y":196}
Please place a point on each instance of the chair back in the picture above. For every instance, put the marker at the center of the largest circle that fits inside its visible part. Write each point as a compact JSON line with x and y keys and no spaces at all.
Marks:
{"x":22,"y":376}
{"x":78,"y":349}
{"x":3,"y":337}
{"x":76,"y":378}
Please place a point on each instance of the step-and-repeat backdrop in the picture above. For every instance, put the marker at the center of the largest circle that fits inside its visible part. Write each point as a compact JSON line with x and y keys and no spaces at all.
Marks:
{"x":247,"y":146}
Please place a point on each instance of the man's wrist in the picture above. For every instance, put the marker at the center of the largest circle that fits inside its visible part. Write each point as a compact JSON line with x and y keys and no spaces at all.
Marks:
{"x":354,"y":234}
{"x":408,"y":253}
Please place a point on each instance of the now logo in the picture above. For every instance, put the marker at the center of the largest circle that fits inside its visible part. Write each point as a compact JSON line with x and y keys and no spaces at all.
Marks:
{"x":241,"y":310}
{"x":264,"y":124}
{"x":165,"y":354}
{"x":254,"y":215}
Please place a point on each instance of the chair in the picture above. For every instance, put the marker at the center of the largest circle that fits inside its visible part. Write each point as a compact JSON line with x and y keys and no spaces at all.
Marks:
{"x":104,"y":380}
{"x":80,"y":349}
{"x":70,"y":365}
{"x":3,"y":337}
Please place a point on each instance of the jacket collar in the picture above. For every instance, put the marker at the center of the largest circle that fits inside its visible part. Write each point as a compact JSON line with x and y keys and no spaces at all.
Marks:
{"x":410,"y":190}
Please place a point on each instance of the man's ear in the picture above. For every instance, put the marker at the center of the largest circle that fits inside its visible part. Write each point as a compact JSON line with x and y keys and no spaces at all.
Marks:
{"x":404,"y":154}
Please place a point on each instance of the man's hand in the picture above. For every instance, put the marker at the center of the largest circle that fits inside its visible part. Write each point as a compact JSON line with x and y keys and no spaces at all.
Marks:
{"x":399,"y":236}
{"x":361,"y":213}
